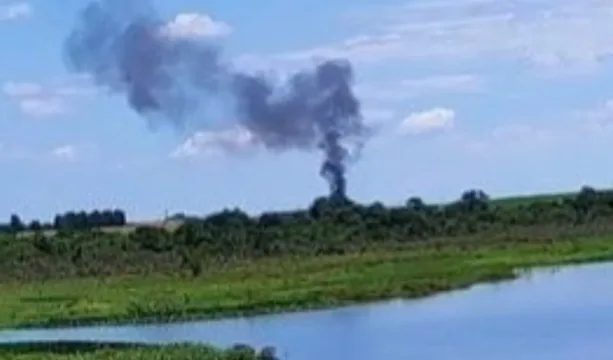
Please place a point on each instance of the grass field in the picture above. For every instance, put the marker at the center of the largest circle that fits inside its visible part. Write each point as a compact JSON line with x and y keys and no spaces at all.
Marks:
{"x":530,"y":199}
{"x":119,"y":351}
{"x":285,"y":284}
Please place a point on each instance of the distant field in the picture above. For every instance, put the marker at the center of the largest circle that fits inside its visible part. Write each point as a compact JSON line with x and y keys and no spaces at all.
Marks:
{"x":529,"y":199}
{"x":170,"y":225}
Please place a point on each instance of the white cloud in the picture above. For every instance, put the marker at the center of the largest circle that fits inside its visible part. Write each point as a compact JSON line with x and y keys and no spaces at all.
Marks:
{"x":43,"y":106}
{"x":37,"y":100}
{"x":216,"y":142}
{"x":584,"y":128}
{"x":516,"y":138}
{"x":600,"y":113}
{"x":442,"y":83}
{"x":558,"y":34}
{"x":71,"y":90}
{"x":436,"y":119}
{"x":65,"y":153}
{"x":596,"y":123}
{"x":415,"y":87}
{"x":364,"y":48}
{"x":190,"y":25}
{"x":16,"y":89}
{"x":15,"y":11}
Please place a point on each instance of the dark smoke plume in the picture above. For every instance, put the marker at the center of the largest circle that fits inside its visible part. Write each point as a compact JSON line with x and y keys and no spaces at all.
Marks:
{"x":120,"y":43}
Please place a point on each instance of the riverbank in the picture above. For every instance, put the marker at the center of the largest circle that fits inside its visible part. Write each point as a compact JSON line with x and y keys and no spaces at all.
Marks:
{"x":287,"y":284}
{"x":121,"y":351}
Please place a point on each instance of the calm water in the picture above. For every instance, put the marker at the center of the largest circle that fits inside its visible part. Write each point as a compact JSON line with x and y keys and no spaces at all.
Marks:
{"x":566,"y":314}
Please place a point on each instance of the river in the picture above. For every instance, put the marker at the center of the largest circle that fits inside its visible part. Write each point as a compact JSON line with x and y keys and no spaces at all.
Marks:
{"x":546,"y":314}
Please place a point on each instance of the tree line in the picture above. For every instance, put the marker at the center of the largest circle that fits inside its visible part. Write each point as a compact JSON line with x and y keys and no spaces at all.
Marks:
{"x":328,"y":226}
{"x":71,"y":220}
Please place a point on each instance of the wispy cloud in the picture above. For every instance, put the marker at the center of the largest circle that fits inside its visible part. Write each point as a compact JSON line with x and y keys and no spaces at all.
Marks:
{"x":22,"y":89}
{"x":442,"y":83}
{"x":517,"y":138}
{"x":38,"y":100}
{"x":34,"y":155}
{"x":583,"y":128}
{"x":15,"y":11}
{"x":73,"y":152}
{"x":416,"y":87}
{"x":68,"y":153}
{"x":41,"y":107}
{"x":558,"y":34}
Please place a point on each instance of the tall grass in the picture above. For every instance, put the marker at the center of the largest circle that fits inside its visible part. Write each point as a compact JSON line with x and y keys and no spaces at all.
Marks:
{"x":286,"y":284}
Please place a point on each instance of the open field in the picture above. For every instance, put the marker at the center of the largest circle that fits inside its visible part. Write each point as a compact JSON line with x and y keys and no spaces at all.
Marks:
{"x":125,"y":351}
{"x":170,"y":225}
{"x":526,"y":200}
{"x":291,"y":283}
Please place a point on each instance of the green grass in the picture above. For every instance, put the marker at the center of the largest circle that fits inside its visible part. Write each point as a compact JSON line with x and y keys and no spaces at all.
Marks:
{"x":275,"y":285}
{"x":531,"y":199}
{"x":123,"y":351}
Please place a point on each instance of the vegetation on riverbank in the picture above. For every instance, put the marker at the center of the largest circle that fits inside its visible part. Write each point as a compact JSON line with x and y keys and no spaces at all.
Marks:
{"x":329,"y":226}
{"x":126,"y":351}
{"x":272,"y":285}
{"x":334,"y":253}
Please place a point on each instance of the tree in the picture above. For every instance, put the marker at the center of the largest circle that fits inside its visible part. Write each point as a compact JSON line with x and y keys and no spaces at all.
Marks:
{"x":35,"y":226}
{"x":474,"y":200}
{"x":58,"y":222}
{"x":415,"y":204}
{"x":585,"y":201}
{"x":69,"y":220}
{"x":15,"y":224}
{"x":95,"y":219}
{"x":81,"y":220}
{"x":107,"y":218}
{"x":320,"y":207}
{"x":118,"y":218}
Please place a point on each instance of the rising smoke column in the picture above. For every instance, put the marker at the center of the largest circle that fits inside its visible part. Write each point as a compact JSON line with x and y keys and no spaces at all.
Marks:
{"x":122,"y":45}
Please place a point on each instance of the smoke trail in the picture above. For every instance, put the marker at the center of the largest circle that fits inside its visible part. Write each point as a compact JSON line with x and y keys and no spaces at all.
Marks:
{"x":123,"y":46}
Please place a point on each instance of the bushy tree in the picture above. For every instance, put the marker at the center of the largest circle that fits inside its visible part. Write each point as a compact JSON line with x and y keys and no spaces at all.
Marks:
{"x":15,"y":223}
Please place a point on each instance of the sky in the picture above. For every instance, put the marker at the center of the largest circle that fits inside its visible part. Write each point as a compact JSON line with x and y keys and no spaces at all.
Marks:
{"x":508,"y":96}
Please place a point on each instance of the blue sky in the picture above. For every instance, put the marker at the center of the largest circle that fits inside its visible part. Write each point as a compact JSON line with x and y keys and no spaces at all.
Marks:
{"x":508,"y":96}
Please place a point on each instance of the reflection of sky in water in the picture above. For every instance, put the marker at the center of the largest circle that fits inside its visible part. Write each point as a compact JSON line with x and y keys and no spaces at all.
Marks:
{"x":567,"y":314}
